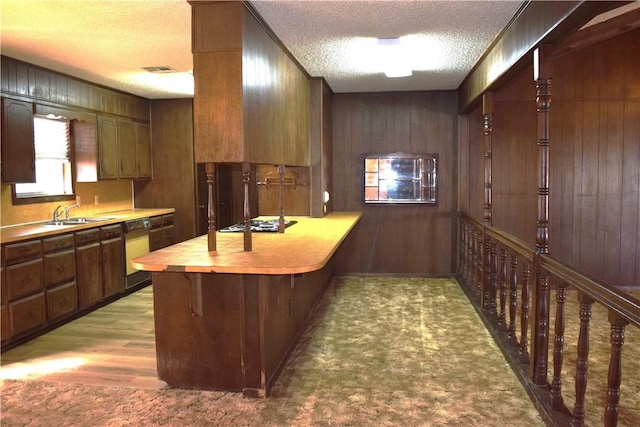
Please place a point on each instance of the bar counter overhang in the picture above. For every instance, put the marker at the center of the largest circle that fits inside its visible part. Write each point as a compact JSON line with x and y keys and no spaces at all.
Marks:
{"x":226,"y":320}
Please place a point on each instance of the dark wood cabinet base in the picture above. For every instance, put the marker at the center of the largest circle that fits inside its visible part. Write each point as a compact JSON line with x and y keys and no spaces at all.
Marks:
{"x":230,"y":331}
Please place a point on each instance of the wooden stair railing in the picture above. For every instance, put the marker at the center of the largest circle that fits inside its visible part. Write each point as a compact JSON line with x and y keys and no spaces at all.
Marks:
{"x":497,"y":270}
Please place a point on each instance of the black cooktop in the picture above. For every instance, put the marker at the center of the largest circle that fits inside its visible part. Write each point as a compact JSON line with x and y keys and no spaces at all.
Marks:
{"x":257,"y":225}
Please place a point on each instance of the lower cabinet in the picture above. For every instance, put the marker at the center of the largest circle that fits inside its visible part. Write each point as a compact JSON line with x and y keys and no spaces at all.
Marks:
{"x":88,"y":267}
{"x":47,"y":281}
{"x":113,"y":260}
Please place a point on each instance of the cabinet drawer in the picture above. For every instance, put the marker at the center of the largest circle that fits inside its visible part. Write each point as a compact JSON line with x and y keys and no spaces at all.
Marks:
{"x":62,"y":300}
{"x":22,"y":251}
{"x":110,"y":231}
{"x":24,"y":279}
{"x":59,"y":267}
{"x":27,"y":313}
{"x":57,"y":243}
{"x":5,"y":326}
{"x":87,"y":236}
{"x":156,"y":221}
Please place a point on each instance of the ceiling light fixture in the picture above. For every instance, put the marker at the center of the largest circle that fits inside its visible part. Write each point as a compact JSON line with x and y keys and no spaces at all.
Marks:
{"x":395,"y":57}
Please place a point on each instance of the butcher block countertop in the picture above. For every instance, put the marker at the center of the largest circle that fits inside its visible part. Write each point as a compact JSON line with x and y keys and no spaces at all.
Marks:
{"x":305,"y":246}
{"x":32,"y":230}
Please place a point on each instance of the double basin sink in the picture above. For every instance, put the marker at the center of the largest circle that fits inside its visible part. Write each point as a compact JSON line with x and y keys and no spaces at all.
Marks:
{"x":75,"y":221}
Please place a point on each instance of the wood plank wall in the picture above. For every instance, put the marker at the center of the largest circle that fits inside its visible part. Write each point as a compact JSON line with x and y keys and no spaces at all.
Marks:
{"x":595,"y":155}
{"x":411,"y":239}
{"x":594,"y":159}
{"x":174,"y":175}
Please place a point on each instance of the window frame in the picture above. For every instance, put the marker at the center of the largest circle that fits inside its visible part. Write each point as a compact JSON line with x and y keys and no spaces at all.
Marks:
{"x":428,"y":182}
{"x":57,"y":197}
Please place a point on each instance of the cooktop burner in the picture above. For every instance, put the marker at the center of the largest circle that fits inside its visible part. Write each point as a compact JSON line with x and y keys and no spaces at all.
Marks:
{"x":257,"y":225}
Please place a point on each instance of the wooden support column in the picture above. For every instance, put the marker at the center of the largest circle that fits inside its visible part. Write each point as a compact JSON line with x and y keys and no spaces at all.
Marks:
{"x":210,"y":169}
{"x":281,"y":219}
{"x":487,"y":114}
{"x":542,"y":65}
{"x":246,"y":179}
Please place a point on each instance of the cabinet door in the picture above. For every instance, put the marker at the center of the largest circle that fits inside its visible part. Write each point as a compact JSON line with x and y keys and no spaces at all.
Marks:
{"x":113,"y":266}
{"x":108,"y":147}
{"x":59,"y":267}
{"x":127,"y":148}
{"x":89,"y":274}
{"x":18,"y":149}
{"x":143,"y":151}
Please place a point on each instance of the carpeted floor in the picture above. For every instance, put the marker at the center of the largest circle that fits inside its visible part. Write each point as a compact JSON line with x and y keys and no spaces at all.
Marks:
{"x":383,"y":352}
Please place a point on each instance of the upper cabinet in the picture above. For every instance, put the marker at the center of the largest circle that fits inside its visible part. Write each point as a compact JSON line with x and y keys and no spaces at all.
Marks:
{"x":127,"y":148}
{"x":124,"y":148}
{"x":108,"y":148}
{"x":252,"y":100}
{"x":18,"y":150}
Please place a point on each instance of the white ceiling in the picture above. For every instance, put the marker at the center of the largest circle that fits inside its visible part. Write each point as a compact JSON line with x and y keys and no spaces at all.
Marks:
{"x":109,"y":41}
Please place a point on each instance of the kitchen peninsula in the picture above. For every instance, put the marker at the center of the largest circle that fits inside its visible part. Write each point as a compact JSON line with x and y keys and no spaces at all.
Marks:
{"x":226,"y":320}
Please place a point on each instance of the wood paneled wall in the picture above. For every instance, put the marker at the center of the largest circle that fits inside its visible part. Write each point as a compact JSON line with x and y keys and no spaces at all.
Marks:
{"x":410,"y":239}
{"x":594,"y":160}
{"x":515,"y":158}
{"x":174,"y":174}
{"x":595,"y":155}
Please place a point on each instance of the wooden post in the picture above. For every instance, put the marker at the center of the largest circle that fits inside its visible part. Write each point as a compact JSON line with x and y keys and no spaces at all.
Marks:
{"x":542,"y":65}
{"x":281,"y":219}
{"x":246,"y":179}
{"x":487,"y":114}
{"x":615,"y":369}
{"x":210,"y":169}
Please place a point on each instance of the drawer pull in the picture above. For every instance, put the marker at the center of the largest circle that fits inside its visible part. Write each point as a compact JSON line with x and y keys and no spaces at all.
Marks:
{"x":63,"y":302}
{"x":60,"y":269}
{"x":26,"y":280}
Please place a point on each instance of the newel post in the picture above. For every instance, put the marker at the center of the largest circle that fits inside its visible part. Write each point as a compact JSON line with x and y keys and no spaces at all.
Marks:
{"x":487,"y":115}
{"x":211,"y":216}
{"x":542,"y":65}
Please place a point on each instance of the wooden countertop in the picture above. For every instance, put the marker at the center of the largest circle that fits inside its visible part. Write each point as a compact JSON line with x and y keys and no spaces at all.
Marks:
{"x":18,"y":232}
{"x":304,"y":247}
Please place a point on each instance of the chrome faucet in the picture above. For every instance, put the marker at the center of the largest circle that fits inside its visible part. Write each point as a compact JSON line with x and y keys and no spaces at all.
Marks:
{"x":56,"y":214}
{"x":66,"y":210}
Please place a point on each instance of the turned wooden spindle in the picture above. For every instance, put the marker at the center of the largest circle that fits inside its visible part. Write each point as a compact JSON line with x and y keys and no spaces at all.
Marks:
{"x":246,"y":179}
{"x":281,"y":219}
{"x":486,"y":276}
{"x":558,"y":348}
{"x":582,"y":364}
{"x":493,"y":290}
{"x":513,"y":300}
{"x":523,"y":354}
{"x":502,"y":318}
{"x":614,"y":377}
{"x":210,"y":169}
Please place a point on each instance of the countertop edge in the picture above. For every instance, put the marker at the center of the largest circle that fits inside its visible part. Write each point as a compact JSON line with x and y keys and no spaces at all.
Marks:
{"x":22,"y":232}
{"x":317,"y":264}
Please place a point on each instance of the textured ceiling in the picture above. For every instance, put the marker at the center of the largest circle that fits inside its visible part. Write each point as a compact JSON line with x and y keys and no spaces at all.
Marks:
{"x":109,"y":41}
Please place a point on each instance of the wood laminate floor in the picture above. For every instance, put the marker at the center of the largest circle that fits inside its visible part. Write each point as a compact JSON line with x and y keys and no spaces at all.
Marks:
{"x":114,"y":345}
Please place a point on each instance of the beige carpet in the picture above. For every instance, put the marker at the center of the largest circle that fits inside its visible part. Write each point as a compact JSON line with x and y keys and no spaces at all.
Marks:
{"x":387,"y":352}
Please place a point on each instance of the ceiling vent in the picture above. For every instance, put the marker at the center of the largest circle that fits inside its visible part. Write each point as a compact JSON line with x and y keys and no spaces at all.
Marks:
{"x":162,"y":69}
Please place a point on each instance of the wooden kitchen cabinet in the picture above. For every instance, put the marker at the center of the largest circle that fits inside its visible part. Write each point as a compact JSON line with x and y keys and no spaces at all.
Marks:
{"x":88,"y":267}
{"x":144,"y":161}
{"x":60,"y":273}
{"x":113,"y":259}
{"x":18,"y":149}
{"x":108,"y":148}
{"x":162,"y":232}
{"x":127,"y":148}
{"x":5,"y":328}
{"x":24,"y":286}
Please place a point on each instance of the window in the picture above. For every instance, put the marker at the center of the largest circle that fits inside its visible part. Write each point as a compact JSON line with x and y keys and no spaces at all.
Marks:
{"x":401,"y":178}
{"x":53,"y":162}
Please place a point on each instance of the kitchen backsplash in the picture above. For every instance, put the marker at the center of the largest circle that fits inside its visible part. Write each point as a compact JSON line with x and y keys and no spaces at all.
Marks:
{"x":112,"y":196}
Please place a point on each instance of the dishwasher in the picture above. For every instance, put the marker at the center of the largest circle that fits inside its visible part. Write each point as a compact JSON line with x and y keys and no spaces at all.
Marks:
{"x":136,"y":243}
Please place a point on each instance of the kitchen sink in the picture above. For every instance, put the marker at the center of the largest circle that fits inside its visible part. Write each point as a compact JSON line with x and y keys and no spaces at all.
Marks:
{"x":76,"y":221}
